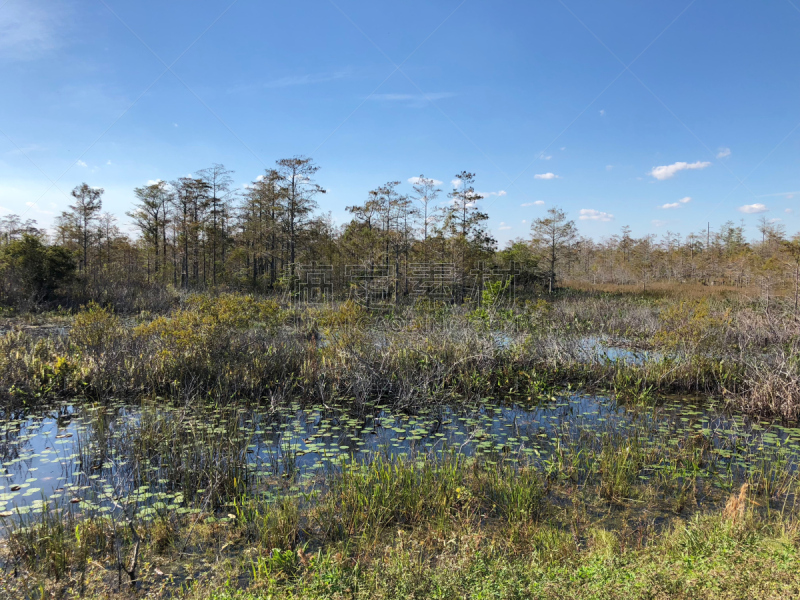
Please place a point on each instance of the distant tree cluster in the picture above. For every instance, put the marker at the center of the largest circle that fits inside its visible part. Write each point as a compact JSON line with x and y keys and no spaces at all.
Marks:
{"x":199,"y":232}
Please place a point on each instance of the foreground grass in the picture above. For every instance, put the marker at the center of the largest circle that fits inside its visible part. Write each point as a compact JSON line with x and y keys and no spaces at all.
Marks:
{"x":410,"y":528}
{"x":709,"y":558}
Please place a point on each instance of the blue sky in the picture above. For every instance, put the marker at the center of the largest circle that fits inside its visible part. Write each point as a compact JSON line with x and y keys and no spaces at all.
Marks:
{"x":534,"y":97}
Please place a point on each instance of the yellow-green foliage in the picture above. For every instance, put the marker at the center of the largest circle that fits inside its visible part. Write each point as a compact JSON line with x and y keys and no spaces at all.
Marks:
{"x":205,"y":317}
{"x":235,"y":310}
{"x":94,"y":326}
{"x":345,"y":314}
{"x":690,"y":326}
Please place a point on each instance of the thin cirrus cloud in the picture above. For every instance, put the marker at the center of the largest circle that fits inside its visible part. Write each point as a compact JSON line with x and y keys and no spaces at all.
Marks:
{"x":291,"y":81}
{"x":753,"y":209}
{"x":724,"y":153}
{"x":669,"y":171}
{"x":546,"y":176}
{"x":677,"y":204}
{"x":590,"y":214}
{"x":27,"y":32}
{"x":537,"y":203}
{"x":412,"y":100}
{"x":416,"y":180}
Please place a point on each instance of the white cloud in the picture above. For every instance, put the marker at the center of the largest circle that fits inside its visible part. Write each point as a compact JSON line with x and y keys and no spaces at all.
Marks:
{"x":416,"y":180}
{"x":456,"y":183}
{"x":609,"y":167}
{"x":154,"y":181}
{"x":174,"y":124}
{"x":563,"y":147}
{"x":724,"y":153}
{"x":537,"y":203}
{"x":108,"y":162}
{"x":590,"y":214}
{"x":668,"y":171}
{"x":499,"y":194}
{"x":545,"y":157}
{"x":503,"y":227}
{"x":603,"y":113}
{"x":546,"y":176}
{"x":677,"y":204}
{"x":788,"y":211}
{"x":752,"y":209}
{"x":658,"y":222}
{"x":775,"y":220}
{"x":524,"y":221}
{"x":80,"y":163}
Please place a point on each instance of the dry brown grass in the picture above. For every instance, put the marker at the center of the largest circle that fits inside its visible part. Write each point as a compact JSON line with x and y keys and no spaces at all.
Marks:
{"x":736,"y":505}
{"x":671,"y":290}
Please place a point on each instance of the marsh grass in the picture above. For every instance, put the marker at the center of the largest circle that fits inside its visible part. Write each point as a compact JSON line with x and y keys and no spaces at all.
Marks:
{"x":233,"y":348}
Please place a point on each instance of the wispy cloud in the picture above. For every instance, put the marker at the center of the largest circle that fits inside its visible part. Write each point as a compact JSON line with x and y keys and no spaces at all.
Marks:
{"x":669,"y":171}
{"x":80,"y":163}
{"x":503,"y":227}
{"x":752,"y":209}
{"x":537,"y":203}
{"x":788,"y":211}
{"x":658,"y":222}
{"x":290,"y":81}
{"x":35,"y":207}
{"x":724,"y":153}
{"x":590,"y":214}
{"x":25,"y":150}
{"x":609,"y":167}
{"x":787,"y":195}
{"x":412,"y":100}
{"x":546,"y":176}
{"x":603,"y":113}
{"x":28,"y":31}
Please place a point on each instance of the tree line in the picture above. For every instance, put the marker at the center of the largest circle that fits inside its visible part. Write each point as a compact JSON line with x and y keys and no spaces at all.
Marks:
{"x":198,"y":232}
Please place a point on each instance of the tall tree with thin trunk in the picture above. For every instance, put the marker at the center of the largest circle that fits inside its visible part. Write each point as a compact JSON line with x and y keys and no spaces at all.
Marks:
{"x":554,"y":234}
{"x":88,"y":202}
{"x":218,"y":181}
{"x":296,"y":176}
{"x":425,"y":193}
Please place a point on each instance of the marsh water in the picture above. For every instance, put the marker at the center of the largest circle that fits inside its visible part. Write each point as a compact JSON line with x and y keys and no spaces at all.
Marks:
{"x":81,"y":456}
